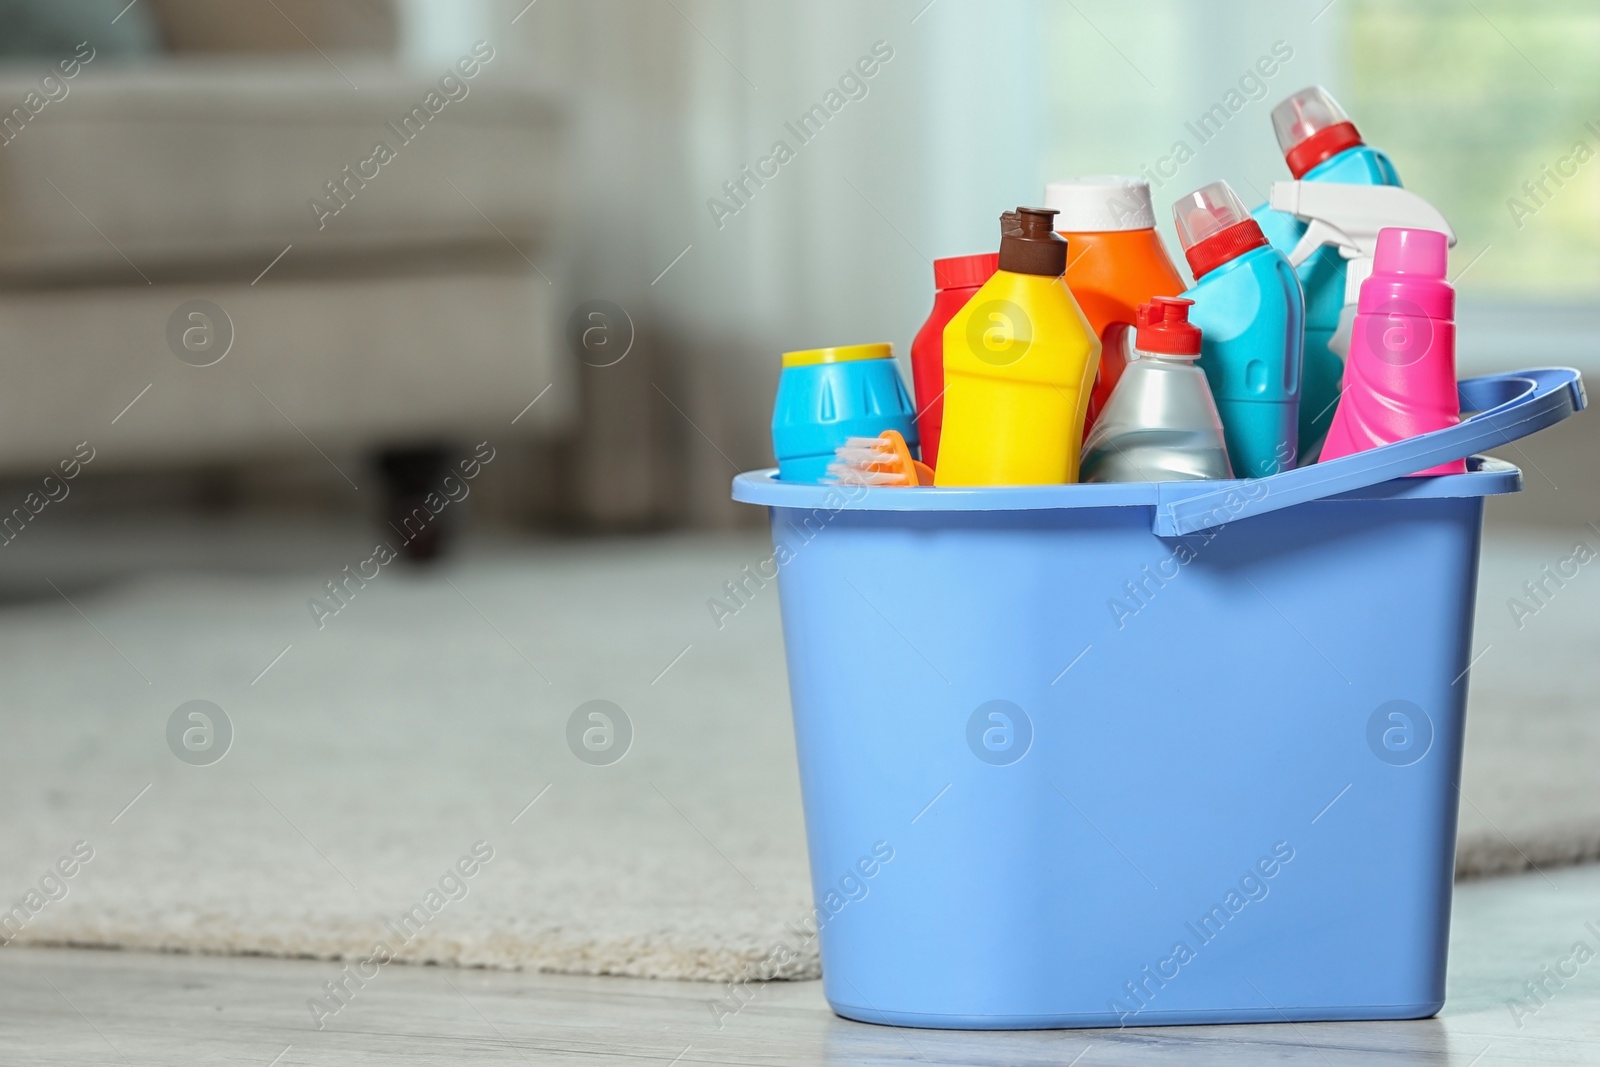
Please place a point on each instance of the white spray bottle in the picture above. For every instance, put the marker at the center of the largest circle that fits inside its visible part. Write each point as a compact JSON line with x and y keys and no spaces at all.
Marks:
{"x":1349,"y":218}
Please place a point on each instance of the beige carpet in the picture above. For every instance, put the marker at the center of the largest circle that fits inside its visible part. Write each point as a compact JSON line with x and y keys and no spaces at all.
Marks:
{"x":1533,"y":712}
{"x":431,"y":710}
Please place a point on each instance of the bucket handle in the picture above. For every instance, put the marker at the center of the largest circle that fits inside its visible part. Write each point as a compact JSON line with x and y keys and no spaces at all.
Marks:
{"x":1509,"y":406}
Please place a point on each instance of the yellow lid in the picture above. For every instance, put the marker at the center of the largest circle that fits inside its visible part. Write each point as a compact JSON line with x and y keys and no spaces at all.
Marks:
{"x":842,"y":354}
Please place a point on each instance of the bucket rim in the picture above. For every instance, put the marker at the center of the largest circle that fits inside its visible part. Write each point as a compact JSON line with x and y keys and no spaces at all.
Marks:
{"x":1486,"y":476}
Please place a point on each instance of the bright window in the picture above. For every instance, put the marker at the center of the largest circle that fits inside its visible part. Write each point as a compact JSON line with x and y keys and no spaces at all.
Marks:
{"x":1494,"y":108}
{"x":1471,"y":98}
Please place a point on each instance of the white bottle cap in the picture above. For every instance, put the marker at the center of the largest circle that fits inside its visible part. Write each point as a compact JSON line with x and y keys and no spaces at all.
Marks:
{"x":1100,"y":204}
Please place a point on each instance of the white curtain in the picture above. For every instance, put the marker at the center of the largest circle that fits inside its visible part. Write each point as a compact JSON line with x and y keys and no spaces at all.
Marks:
{"x":670,"y":99}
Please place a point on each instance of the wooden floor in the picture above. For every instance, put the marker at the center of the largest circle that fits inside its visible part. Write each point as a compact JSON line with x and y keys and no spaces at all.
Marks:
{"x":60,"y":1006}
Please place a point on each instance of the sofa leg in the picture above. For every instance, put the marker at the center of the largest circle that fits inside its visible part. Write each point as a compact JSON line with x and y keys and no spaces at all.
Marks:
{"x":410,"y":475}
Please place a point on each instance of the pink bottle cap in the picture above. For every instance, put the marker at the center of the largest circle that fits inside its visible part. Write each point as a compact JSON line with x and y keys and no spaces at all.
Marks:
{"x":1408,"y":275}
{"x":1425,"y":253}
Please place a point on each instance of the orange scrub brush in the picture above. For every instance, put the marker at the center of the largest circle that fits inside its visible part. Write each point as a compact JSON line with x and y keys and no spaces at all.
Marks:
{"x":883,"y":460}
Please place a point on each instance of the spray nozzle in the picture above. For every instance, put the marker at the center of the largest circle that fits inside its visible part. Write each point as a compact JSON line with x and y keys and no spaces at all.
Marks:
{"x":1350,"y":217}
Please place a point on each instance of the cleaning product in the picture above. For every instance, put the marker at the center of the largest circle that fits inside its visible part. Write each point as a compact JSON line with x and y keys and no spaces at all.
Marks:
{"x":1400,"y":380}
{"x":1117,"y":263}
{"x":1248,"y":306}
{"x":883,"y":460}
{"x":1347,"y":218}
{"x":1320,"y":144}
{"x":1019,"y":360}
{"x":954,"y":281}
{"x":827,"y":396}
{"x":1161,"y":423}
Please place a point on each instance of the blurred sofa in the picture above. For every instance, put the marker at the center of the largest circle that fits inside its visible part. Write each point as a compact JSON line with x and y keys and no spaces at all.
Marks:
{"x":417,"y":304}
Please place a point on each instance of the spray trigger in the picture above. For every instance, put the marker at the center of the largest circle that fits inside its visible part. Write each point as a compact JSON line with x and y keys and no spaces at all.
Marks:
{"x":1349,"y":217}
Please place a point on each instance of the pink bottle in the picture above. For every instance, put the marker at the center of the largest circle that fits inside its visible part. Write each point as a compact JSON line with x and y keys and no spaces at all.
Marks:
{"x":1400,"y":380}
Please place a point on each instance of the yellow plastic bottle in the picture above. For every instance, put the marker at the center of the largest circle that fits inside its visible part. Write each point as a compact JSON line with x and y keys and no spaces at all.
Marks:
{"x":1019,"y":363}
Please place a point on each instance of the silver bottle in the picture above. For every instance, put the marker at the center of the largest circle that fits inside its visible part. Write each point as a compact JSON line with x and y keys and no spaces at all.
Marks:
{"x":1161,"y":423}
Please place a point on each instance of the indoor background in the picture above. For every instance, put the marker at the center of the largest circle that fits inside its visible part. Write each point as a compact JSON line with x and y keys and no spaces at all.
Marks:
{"x":240,"y":347}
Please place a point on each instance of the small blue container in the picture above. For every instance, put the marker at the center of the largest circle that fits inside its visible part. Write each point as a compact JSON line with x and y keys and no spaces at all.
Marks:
{"x":1141,"y":754}
{"x":827,"y":395}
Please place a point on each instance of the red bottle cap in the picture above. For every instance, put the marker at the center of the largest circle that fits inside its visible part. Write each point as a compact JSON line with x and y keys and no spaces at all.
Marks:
{"x":965,"y":272}
{"x":1312,"y":127}
{"x":1164,"y":327}
{"x":1214,"y":227}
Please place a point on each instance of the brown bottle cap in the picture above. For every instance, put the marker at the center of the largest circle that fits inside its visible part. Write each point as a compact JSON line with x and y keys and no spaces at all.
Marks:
{"x":1029,"y":243}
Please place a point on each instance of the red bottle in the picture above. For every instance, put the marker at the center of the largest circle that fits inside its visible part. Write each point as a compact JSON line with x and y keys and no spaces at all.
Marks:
{"x":955,"y":280}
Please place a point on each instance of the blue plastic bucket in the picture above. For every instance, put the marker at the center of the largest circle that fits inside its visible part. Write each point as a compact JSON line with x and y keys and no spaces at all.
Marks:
{"x":1141,"y":754}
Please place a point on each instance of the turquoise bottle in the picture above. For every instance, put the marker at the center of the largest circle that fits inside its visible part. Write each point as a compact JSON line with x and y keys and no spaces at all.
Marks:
{"x":1251,"y":315}
{"x":1320,"y":144}
{"x":827,"y":396}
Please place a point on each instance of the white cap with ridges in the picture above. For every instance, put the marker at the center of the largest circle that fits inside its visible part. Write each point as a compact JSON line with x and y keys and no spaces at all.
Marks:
{"x":1100,"y":204}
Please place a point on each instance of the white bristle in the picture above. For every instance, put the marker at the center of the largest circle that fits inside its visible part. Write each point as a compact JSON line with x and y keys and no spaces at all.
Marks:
{"x":848,"y":474}
{"x":864,"y":446}
{"x":854,"y":459}
{"x":847,"y":458}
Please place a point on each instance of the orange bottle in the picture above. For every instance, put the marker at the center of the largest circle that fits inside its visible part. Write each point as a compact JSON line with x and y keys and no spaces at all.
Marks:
{"x":1117,"y":263}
